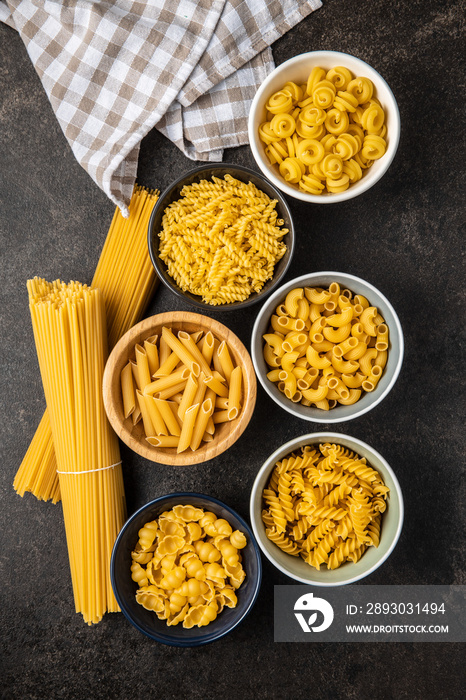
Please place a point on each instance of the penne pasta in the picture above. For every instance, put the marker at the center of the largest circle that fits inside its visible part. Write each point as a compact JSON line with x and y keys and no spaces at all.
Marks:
{"x":164,"y":350}
{"x":155,"y":416}
{"x":205,"y":411}
{"x":150,"y":346}
{"x":225,"y":360}
{"x":163,"y":441}
{"x":127,"y":390}
{"x":216,"y":385}
{"x":168,"y":366}
{"x":142,"y":364}
{"x":187,"y":428}
{"x":194,"y":351}
{"x":234,"y":392}
{"x":176,"y":405}
{"x":167,"y":412}
{"x":166,"y":382}
{"x":180,"y":349}
{"x":171,"y":391}
{"x":207,"y":347}
{"x":148,"y":427}
{"x":188,"y":395}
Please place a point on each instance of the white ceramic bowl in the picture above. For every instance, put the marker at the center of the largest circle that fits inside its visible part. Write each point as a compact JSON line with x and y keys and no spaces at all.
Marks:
{"x":295,"y":567}
{"x":297,"y":69}
{"x":368,"y":400}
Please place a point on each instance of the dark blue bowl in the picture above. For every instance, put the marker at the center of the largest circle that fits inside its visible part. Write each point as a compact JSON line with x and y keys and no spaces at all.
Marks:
{"x":147,"y":621}
{"x":173,"y":192}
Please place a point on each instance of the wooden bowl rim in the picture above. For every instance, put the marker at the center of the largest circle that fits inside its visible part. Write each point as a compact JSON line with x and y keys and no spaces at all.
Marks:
{"x":227,"y":433}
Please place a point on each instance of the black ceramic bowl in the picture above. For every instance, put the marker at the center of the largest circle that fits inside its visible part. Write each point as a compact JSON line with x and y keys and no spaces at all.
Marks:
{"x":147,"y":621}
{"x":205,"y":172}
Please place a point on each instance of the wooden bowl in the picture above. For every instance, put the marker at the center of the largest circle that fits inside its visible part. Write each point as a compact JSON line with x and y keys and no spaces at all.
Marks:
{"x":133,"y":435}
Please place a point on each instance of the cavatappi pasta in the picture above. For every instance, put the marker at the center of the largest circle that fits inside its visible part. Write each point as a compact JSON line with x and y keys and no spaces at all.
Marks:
{"x":325,"y":347}
{"x":127,"y":280}
{"x":323,"y":135}
{"x":221,"y":239}
{"x":181,"y":386}
{"x":187,"y":564}
{"x":71,"y":341}
{"x":324,"y":504}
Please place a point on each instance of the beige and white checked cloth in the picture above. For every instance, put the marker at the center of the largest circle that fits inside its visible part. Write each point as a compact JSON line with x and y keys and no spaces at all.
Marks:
{"x":115,"y":70}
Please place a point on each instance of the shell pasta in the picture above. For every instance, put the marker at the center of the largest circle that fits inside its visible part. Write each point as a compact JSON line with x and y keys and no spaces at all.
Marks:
{"x":324,"y":134}
{"x":187,"y":564}
{"x":325,"y":347}
{"x":324,"y":504}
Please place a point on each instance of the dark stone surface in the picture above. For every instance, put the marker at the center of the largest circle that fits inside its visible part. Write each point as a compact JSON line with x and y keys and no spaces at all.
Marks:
{"x":404,"y":235}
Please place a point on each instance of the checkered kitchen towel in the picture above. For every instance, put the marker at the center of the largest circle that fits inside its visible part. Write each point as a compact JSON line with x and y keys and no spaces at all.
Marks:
{"x":114,"y":70}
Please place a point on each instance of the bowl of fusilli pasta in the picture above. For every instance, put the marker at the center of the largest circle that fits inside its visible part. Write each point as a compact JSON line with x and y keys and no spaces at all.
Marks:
{"x":221,"y":235}
{"x":324,"y":127}
{"x":326,"y":509}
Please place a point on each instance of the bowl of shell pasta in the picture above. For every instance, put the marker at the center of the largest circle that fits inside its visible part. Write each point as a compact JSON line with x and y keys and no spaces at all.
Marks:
{"x":327,"y":347}
{"x":324,"y":127}
{"x":326,"y":509}
{"x":185,"y":569}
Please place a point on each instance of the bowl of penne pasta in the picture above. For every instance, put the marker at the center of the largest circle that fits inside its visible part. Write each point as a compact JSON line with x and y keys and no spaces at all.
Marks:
{"x":324,"y":127}
{"x":221,"y":235}
{"x":179,"y":388}
{"x":326,"y":509}
{"x":327,"y":347}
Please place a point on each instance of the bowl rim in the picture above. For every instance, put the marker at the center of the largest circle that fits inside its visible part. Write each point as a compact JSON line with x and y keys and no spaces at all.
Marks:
{"x":366,"y":182}
{"x":313,"y":438}
{"x":161,"y":455}
{"x":205,"y":638}
{"x":296,"y":282}
{"x":253,"y":299}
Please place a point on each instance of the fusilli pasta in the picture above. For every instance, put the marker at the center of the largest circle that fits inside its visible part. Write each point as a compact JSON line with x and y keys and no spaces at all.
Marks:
{"x":222,"y":239}
{"x":325,"y":521}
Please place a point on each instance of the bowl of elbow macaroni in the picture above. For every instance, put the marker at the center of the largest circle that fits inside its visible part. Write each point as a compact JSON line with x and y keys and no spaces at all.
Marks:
{"x":185,"y":569}
{"x":326,"y":509}
{"x":324,"y":127}
{"x":221,"y":236}
{"x":327,"y":347}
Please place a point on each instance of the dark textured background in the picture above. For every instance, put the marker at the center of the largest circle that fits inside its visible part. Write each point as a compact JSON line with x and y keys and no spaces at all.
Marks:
{"x":404,"y":236}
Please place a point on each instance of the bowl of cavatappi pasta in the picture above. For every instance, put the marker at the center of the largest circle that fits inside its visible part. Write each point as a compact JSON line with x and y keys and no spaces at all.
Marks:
{"x":327,"y":347}
{"x":186,"y":569}
{"x":221,"y":236}
{"x":324,"y":127}
{"x":326,"y":509}
{"x":179,"y":388}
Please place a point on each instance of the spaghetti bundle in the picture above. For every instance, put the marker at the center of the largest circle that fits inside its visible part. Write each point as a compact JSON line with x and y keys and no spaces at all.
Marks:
{"x":70,"y":336}
{"x":127,"y":280}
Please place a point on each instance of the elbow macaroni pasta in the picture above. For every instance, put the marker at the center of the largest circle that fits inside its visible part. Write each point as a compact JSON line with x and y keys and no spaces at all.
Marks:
{"x":323,"y":135}
{"x":188,"y":566}
{"x":325,"y":505}
{"x":222,"y":238}
{"x":183,"y":397}
{"x":339,"y":351}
